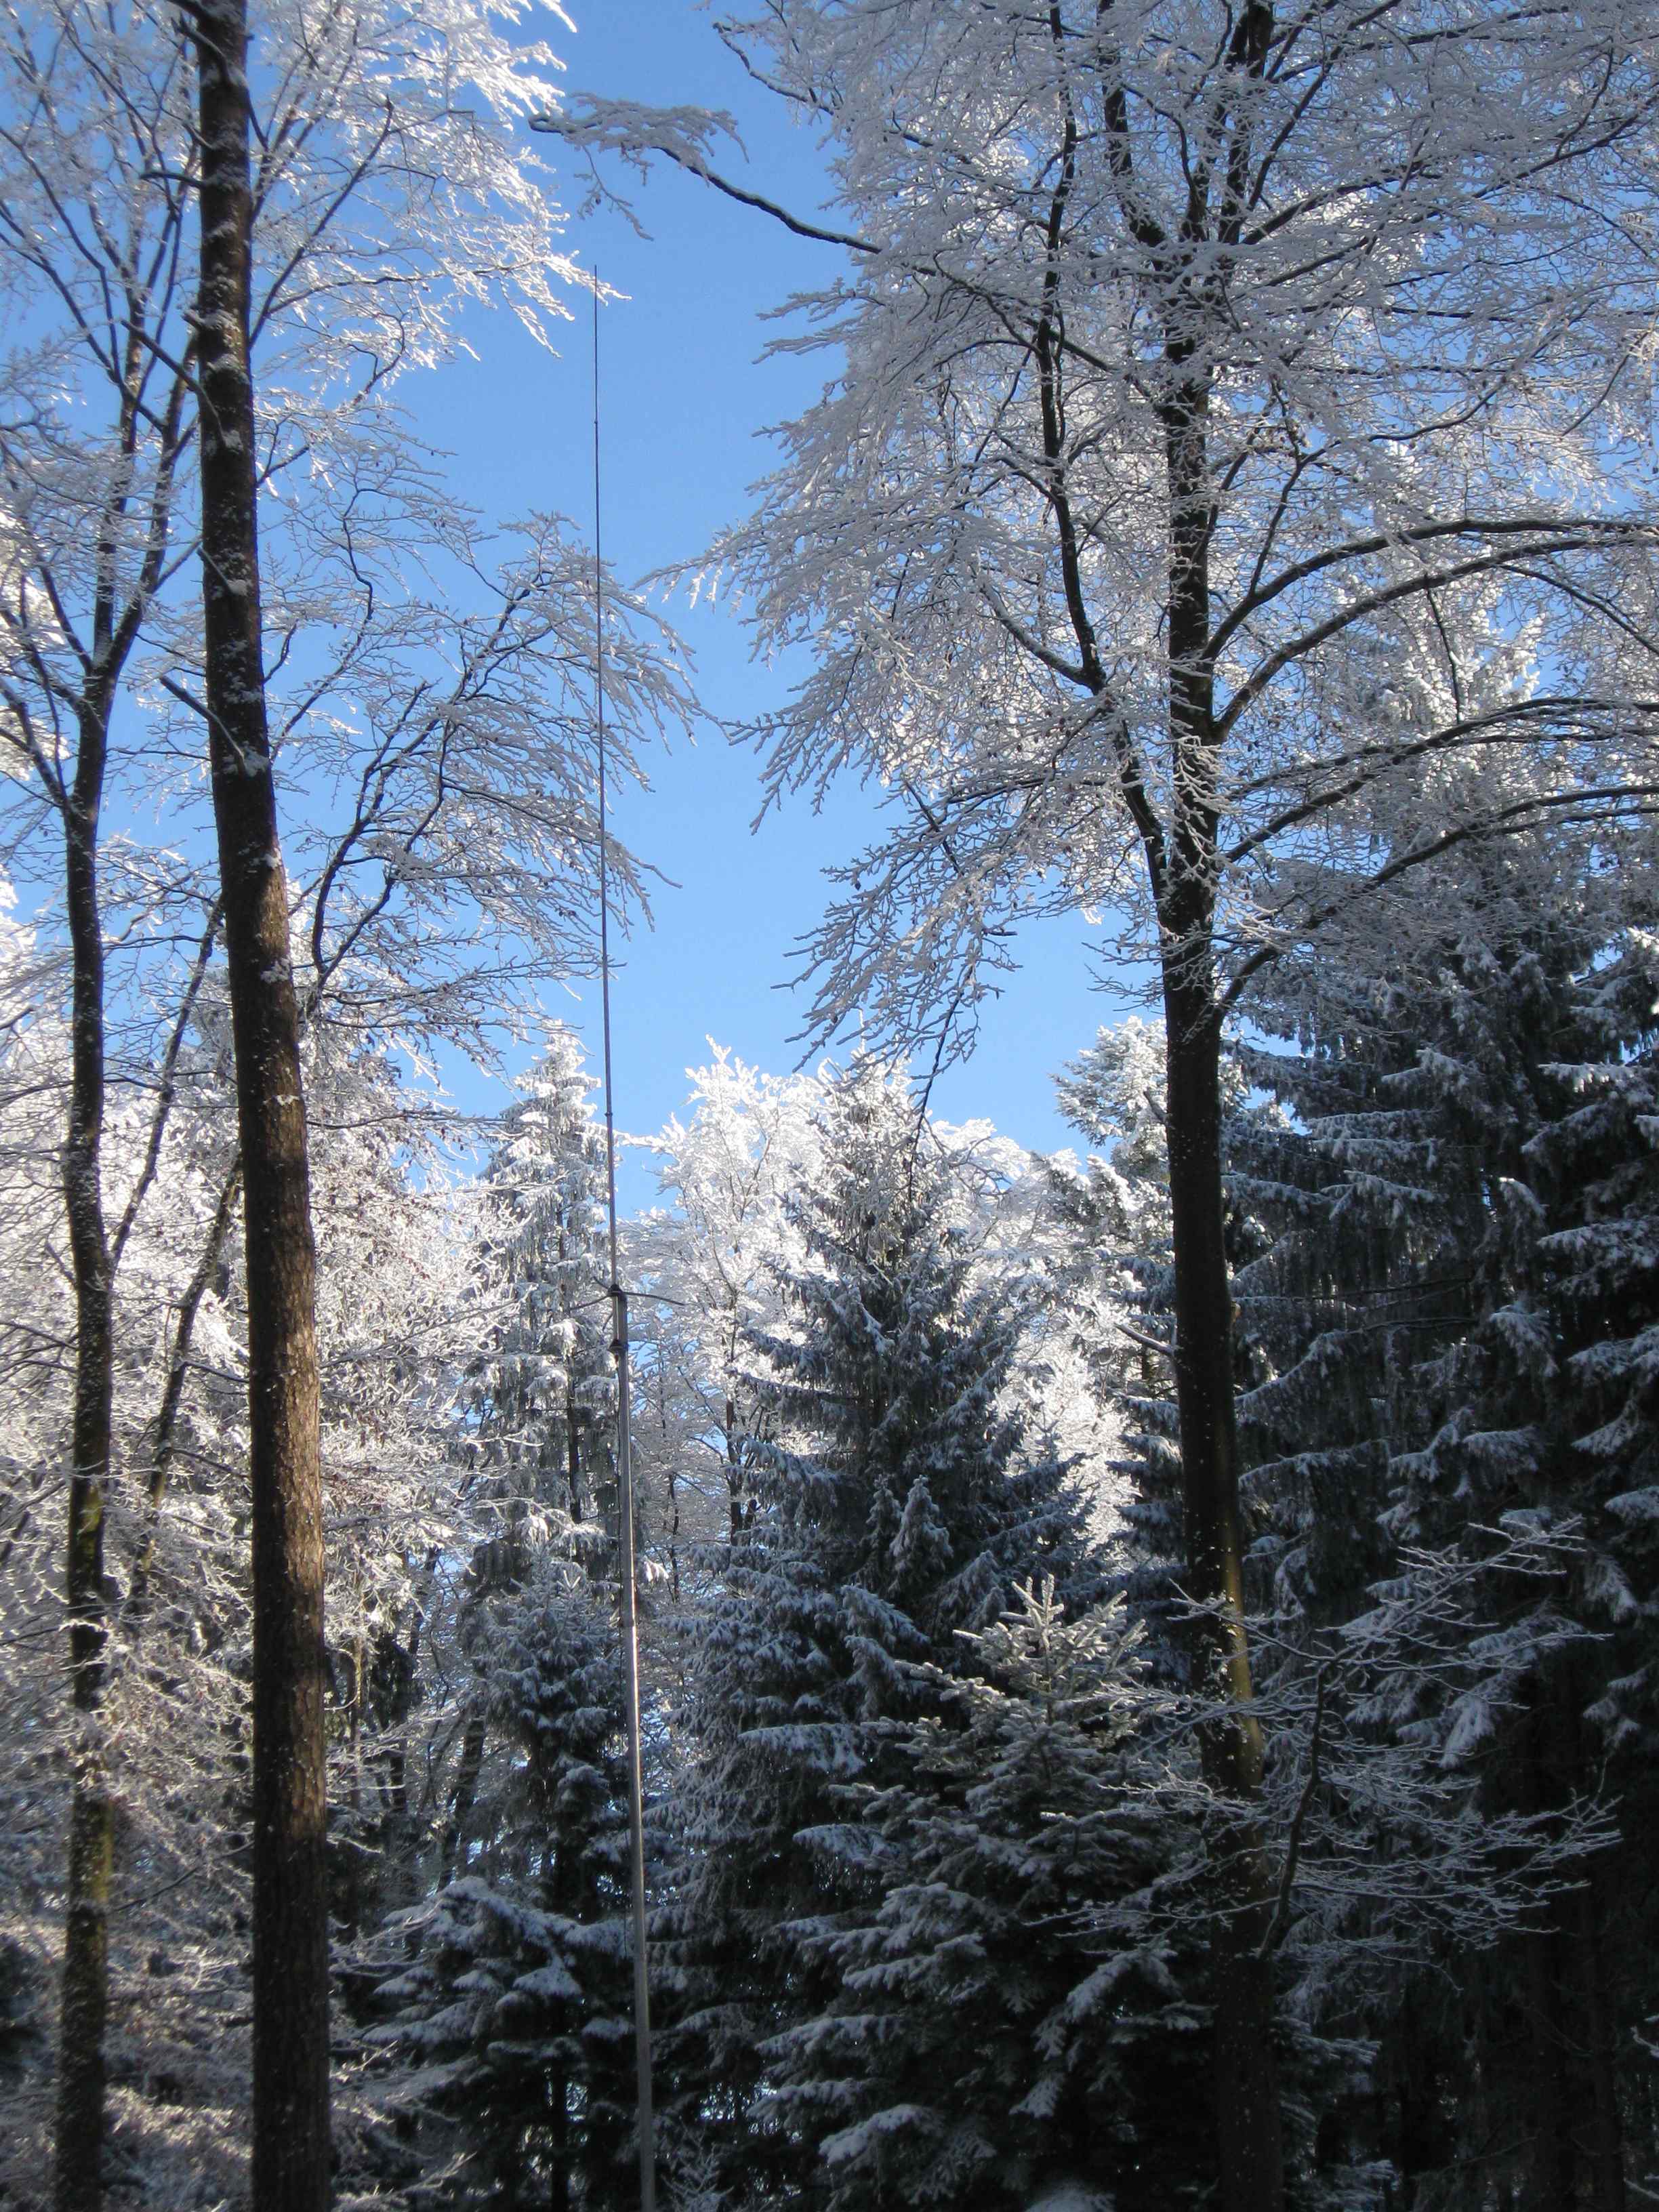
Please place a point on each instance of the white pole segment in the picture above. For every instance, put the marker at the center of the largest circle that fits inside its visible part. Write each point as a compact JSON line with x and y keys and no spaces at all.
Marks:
{"x":631,"y":1643}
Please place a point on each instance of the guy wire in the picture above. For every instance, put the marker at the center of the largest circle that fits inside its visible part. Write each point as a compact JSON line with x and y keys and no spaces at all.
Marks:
{"x":628,"y":1571}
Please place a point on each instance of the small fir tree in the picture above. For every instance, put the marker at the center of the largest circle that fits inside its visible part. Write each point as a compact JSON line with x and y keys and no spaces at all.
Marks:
{"x":516,"y":2012}
{"x":542,"y":1393}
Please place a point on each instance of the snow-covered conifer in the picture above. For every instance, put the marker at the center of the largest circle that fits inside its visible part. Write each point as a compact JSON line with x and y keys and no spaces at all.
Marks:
{"x":897,"y":1502}
{"x":513,"y":2017}
{"x":542,"y":1390}
{"x":1018,"y":1989}
{"x":1461,"y":1183}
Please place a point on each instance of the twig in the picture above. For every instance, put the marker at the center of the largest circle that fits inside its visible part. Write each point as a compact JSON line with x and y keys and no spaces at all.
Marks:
{"x":1280,"y":1922}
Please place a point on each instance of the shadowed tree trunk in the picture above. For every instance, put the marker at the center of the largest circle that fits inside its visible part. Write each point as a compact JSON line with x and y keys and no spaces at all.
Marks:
{"x":467,"y":1770}
{"x":1247,"y":2122}
{"x":165,"y":1431}
{"x":1603,"y":2122}
{"x":290,"y":2168}
{"x":1185,"y":871}
{"x":79,"y":2177}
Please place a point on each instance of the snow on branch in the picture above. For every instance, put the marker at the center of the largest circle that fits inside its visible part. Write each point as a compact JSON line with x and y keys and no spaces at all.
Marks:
{"x":635,"y":130}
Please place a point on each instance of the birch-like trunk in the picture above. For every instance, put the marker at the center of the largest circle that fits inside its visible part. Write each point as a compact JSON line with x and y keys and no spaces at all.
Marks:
{"x":291,"y":2148}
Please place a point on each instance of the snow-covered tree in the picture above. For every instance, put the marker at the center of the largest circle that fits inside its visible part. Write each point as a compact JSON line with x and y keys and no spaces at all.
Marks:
{"x":543,"y":1390}
{"x":1018,"y":1968}
{"x":895,"y":1504}
{"x":378,"y":204}
{"x":727,"y":1174}
{"x":514,"y":2014}
{"x":1465,"y":1096}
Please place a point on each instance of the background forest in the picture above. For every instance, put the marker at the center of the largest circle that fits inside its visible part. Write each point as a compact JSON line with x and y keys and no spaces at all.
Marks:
{"x":1150,"y":1650}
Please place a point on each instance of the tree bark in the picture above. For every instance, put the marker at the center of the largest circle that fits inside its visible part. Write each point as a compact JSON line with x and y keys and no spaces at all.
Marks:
{"x":1249,"y":2132}
{"x":1249,"y":2124}
{"x":80,"y":2119}
{"x":469,"y":1768}
{"x":115,"y":629}
{"x":290,"y":2134}
{"x":1605,"y":2149}
{"x":572,"y":1451}
{"x":1182,"y":859}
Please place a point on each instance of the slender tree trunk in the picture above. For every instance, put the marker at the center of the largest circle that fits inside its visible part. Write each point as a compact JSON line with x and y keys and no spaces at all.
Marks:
{"x":1550,"y":2162}
{"x":114,"y":628}
{"x":1183,"y":869}
{"x":164,"y":1435}
{"x":734,"y":1500}
{"x":79,"y":2169}
{"x":572,"y":1452}
{"x":1605,"y":2147}
{"x":467,"y":1771}
{"x":91,"y":1817}
{"x":348,"y":1886}
{"x":290,"y":2167}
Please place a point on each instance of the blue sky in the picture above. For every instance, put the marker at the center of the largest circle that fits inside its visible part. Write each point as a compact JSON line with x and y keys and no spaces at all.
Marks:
{"x":683,"y":399}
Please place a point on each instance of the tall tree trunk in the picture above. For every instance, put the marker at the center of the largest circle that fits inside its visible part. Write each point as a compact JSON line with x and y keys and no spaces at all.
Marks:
{"x":1248,"y":2124}
{"x":290,"y":2172}
{"x":1246,"y":2107}
{"x":1605,"y":2148}
{"x":115,"y":629}
{"x":1183,"y":869}
{"x":735,"y":1515}
{"x":572,"y":1451}
{"x":1546,"y":2082}
{"x":79,"y":2167}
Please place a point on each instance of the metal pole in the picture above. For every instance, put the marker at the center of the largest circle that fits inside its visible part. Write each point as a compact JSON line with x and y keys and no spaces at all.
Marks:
{"x":631,"y":1634}
{"x":630,"y":1645}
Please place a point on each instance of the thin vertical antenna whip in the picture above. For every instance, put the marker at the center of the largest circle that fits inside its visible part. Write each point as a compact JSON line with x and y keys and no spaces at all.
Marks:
{"x":630,"y":1633}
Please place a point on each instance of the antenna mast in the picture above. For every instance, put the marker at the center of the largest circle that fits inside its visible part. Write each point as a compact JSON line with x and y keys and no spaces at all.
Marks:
{"x":630,"y":1637}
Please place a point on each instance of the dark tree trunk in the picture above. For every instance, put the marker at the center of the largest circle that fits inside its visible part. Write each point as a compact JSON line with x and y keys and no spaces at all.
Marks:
{"x":1248,"y":2132}
{"x":1248,"y":2124}
{"x":78,"y":2180}
{"x":1550,"y":2161}
{"x":469,"y":1768}
{"x":291,"y":2165}
{"x":116,"y":616}
{"x":572,"y":1452}
{"x":1606,"y":2147}
{"x":736,"y":1513}
{"x":1183,"y":869}
{"x":1570,"y":2084}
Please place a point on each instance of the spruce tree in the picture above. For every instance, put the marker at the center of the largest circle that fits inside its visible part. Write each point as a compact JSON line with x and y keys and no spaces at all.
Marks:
{"x":516,"y":2012}
{"x":1019,"y":1994}
{"x":542,"y":1393}
{"x":896,"y":1504}
{"x":539,"y":1396}
{"x":1448,"y":1324}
